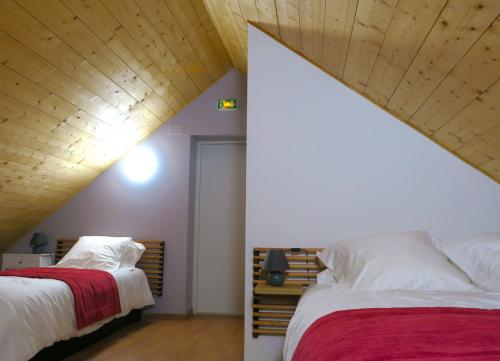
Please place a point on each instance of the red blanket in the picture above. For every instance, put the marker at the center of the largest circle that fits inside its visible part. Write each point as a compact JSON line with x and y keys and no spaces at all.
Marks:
{"x":382,"y":334}
{"x":95,"y":292}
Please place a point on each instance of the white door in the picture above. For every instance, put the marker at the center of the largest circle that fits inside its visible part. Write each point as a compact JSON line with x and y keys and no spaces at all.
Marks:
{"x":219,"y":228}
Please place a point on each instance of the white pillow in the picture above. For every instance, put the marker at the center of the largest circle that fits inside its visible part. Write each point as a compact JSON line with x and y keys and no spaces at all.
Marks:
{"x":326,"y":277}
{"x":102,"y":253}
{"x":132,"y":255}
{"x":478,"y":256}
{"x":393,"y":261}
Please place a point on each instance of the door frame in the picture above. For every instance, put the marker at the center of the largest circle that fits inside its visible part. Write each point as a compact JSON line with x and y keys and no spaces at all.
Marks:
{"x":196,"y":240}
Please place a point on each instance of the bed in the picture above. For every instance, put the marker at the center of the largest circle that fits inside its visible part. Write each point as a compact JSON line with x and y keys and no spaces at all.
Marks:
{"x":401,"y":296}
{"x":323,"y":300}
{"x":36,"y":313}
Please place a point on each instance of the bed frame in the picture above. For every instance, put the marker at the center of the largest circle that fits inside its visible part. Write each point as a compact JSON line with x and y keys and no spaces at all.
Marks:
{"x":151,"y":263}
{"x":272,"y":313}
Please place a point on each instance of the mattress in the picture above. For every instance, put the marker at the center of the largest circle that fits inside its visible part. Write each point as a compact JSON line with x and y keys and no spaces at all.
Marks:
{"x":320,"y":300}
{"x":36,"y":313}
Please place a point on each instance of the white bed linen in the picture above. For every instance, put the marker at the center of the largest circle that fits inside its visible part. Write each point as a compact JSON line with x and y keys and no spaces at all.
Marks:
{"x":36,"y":313}
{"x":320,"y":300}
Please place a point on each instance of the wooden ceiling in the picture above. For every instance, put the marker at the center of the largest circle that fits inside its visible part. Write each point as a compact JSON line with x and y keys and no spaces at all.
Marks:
{"x":83,"y":81}
{"x":434,"y":64}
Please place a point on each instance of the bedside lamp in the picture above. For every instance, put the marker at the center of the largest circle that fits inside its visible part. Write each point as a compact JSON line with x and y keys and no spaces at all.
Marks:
{"x":275,"y":266}
{"x":38,"y":241}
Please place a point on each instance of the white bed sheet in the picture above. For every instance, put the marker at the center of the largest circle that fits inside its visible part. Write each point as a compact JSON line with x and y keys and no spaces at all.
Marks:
{"x":320,"y":300}
{"x":36,"y":313}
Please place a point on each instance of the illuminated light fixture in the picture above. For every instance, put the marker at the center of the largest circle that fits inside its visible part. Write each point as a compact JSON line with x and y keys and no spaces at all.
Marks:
{"x":140,"y":164}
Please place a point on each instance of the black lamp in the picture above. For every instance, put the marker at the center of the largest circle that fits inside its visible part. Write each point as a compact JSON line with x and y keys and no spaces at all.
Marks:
{"x":275,"y":266}
{"x":38,"y":241}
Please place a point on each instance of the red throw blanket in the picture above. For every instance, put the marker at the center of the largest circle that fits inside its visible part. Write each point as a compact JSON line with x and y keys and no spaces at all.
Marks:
{"x":95,"y":292}
{"x":382,"y":334}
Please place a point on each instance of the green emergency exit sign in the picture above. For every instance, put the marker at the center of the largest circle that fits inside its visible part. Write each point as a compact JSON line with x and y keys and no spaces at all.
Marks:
{"x":227,"y":104}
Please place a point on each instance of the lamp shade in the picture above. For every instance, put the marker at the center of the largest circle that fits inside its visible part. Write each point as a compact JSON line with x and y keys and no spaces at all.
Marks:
{"x":276,"y":261}
{"x":38,"y":240}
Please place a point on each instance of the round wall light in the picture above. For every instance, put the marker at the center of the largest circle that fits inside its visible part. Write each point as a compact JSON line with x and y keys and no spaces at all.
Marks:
{"x":140,"y":164}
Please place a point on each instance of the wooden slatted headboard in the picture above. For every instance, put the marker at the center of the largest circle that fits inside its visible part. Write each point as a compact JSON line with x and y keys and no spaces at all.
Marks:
{"x":304,"y":265}
{"x":271,"y":314}
{"x":151,"y":261}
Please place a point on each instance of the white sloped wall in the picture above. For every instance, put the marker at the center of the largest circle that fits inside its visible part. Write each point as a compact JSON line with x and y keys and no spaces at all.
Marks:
{"x":324,"y":163}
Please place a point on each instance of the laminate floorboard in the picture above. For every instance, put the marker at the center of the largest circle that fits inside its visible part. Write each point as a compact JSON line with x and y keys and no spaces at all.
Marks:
{"x":156,"y":339}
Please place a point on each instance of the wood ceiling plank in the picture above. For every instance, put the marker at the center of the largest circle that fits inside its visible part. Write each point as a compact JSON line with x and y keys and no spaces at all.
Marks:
{"x":162,"y":20}
{"x":19,"y":207}
{"x":25,"y":29}
{"x":458,"y":27}
{"x":231,"y":26}
{"x":14,"y":110}
{"x":104,"y":24}
{"x":41,"y":144}
{"x":23,"y":61}
{"x":73,"y":179}
{"x":236,"y":30}
{"x":28,"y":214}
{"x":475,"y":72}
{"x":66,"y":25}
{"x":30,"y":189}
{"x":493,"y":168}
{"x":46,"y":102}
{"x":268,"y":17}
{"x":312,"y":19}
{"x":249,"y":10}
{"x":370,"y":26}
{"x":35,"y":182}
{"x":28,"y":65}
{"x":478,"y":117}
{"x":35,"y":145}
{"x":94,"y":154}
{"x":6,"y":215}
{"x":339,"y":21}
{"x":17,"y":201}
{"x":38,"y":178}
{"x":213,"y":35}
{"x":448,"y":99}
{"x":190,"y":25}
{"x":483,"y":148}
{"x":10,"y":151}
{"x":410,"y":25}
{"x":138,"y":26}
{"x":11,"y":231}
{"x":289,"y":22}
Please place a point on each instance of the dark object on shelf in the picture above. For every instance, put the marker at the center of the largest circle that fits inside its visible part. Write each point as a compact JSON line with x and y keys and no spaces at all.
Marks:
{"x":38,"y":242}
{"x":275,"y":265}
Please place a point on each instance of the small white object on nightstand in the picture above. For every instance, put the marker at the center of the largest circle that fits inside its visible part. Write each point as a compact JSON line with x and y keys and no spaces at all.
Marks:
{"x":26,"y":260}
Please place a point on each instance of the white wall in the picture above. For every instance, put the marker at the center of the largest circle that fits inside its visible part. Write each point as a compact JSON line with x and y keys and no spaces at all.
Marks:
{"x":323,"y":163}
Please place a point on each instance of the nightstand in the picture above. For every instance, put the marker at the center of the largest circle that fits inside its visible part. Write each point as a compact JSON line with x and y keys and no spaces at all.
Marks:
{"x":273,"y":308}
{"x":26,"y":260}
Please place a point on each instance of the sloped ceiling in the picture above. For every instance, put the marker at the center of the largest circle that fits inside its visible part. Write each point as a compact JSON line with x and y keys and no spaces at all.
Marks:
{"x":434,"y":64}
{"x":83,"y":81}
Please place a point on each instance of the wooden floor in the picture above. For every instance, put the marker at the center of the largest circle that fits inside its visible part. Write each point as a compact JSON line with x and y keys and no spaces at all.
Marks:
{"x":153,"y":339}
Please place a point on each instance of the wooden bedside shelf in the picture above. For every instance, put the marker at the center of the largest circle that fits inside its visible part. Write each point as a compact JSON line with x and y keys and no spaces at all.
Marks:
{"x":285,"y":290}
{"x":273,"y":307}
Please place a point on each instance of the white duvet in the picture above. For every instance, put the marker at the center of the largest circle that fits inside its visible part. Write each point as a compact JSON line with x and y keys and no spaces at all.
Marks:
{"x":320,"y":300}
{"x":36,"y":313}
